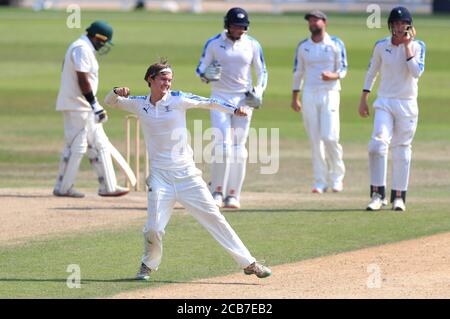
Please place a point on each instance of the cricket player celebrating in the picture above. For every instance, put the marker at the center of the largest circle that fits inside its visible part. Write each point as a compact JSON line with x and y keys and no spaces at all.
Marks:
{"x":226,"y":63}
{"x":320,"y":63}
{"x":83,"y":115}
{"x":400,"y":60}
{"x":174,"y":176}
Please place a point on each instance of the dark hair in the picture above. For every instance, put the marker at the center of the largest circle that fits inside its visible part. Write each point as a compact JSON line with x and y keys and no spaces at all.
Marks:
{"x":154,"y":69}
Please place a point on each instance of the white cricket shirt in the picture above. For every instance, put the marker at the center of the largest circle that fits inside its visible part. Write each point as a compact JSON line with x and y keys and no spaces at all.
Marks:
{"x":80,"y":56}
{"x":164,"y":125}
{"x":236,"y":59}
{"x":311,"y":59}
{"x":398,"y":77}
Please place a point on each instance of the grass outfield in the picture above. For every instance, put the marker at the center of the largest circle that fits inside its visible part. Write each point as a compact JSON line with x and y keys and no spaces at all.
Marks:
{"x":109,"y":260}
{"x":31,"y":138}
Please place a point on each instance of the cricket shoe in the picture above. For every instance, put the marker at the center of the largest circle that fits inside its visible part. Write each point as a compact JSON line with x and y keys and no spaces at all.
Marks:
{"x":398,"y":205}
{"x":337,"y":187}
{"x":258,"y":269}
{"x":231,"y":202}
{"x":319,"y":190}
{"x":376,"y":202}
{"x":218,"y":199}
{"x":119,"y":191}
{"x":144,"y":272}
{"x":70,"y":193}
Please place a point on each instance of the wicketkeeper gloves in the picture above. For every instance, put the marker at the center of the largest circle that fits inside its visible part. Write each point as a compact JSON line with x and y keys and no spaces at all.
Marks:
{"x":212,"y":73}
{"x":253,"y":98}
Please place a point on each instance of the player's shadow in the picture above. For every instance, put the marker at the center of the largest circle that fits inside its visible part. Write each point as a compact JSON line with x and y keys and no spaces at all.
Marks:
{"x":98,"y":208}
{"x":124,"y":280}
{"x":252,"y":210}
{"x":118,"y":208}
{"x":292,"y":210}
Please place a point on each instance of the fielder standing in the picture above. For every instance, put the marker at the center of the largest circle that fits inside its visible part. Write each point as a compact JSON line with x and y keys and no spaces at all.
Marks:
{"x":174,"y":176}
{"x":400,"y":60}
{"x":226,"y":62}
{"x":83,"y":115}
{"x":320,"y":63}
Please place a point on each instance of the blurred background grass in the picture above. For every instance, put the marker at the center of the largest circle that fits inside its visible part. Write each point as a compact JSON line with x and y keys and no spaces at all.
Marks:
{"x":33,"y":45}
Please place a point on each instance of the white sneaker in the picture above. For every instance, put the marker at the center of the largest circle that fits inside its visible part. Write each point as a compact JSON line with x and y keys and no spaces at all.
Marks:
{"x":398,"y":205}
{"x":119,"y":191}
{"x":338,"y":187}
{"x":231,"y":202}
{"x":318,"y":190}
{"x":376,"y":203}
{"x":143,"y":273}
{"x":258,"y":269}
{"x":72,"y":192}
{"x":218,"y":199}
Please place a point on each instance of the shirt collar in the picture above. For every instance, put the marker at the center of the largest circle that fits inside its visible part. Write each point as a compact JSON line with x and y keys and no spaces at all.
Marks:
{"x":225,"y":37}
{"x":326,"y":39}
{"x":392,"y":45}
{"x":163,"y":99}
{"x":89,"y":43}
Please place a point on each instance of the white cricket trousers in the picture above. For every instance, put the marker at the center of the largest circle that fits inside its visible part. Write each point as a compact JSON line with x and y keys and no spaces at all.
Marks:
{"x":395,"y":123}
{"x":229,"y":154}
{"x":80,"y":130}
{"x":188,"y":188}
{"x":320,"y":110}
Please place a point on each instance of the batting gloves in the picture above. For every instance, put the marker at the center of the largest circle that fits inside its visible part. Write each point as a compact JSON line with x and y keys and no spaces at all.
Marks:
{"x":100,"y":113}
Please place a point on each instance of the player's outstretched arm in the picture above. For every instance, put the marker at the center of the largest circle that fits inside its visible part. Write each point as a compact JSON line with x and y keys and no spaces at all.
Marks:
{"x":122,"y":91}
{"x":189,"y":100}
{"x":119,"y":97}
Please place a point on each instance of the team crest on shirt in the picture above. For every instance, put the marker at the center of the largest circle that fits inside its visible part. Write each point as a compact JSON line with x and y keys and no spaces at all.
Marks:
{"x":167,"y":108}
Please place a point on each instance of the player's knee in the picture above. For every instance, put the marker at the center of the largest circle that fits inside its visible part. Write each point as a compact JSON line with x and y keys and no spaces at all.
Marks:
{"x":101,"y":145}
{"x":66,"y":153}
{"x":153,"y":235}
{"x":239,"y":152}
{"x":378,"y":147}
{"x":79,"y":148}
{"x":401,"y":153}
{"x":92,"y":152}
{"x":79,"y":144}
{"x":221,"y":151}
{"x":330,"y":141}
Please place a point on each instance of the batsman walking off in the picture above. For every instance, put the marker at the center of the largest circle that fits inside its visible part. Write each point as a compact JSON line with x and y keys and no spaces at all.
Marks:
{"x":83,"y":115}
{"x":174,"y":176}
{"x":320,"y":63}
{"x":226,"y":63}
{"x":400,"y":60}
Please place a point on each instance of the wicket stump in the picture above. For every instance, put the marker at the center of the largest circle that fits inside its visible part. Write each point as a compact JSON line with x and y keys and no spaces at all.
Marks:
{"x":129,"y":119}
